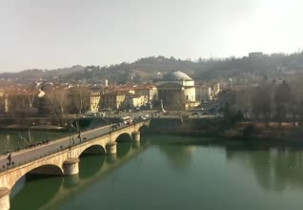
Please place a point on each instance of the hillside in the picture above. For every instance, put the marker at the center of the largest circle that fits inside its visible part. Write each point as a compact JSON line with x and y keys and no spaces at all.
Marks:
{"x":150,"y":68}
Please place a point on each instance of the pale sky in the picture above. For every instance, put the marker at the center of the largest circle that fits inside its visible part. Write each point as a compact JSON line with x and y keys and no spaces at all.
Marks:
{"x":48,"y":34}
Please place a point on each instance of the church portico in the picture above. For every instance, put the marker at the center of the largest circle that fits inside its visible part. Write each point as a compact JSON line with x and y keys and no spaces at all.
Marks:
{"x":177,"y":91}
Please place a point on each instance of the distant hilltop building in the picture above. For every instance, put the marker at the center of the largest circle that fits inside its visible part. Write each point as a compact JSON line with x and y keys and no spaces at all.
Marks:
{"x":255,"y":54}
{"x":177,"y":91}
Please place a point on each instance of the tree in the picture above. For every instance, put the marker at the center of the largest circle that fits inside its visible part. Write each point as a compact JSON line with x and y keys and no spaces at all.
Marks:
{"x":243,"y":101}
{"x":31,"y":93}
{"x":79,"y":99}
{"x":21,"y":102}
{"x":261,"y":102}
{"x":58,"y":102}
{"x":296,"y":99}
{"x":282,"y":96}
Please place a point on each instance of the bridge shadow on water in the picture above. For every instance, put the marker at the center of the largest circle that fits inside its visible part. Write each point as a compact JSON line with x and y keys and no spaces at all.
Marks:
{"x":90,"y":165}
{"x":123,"y":145}
{"x":33,"y":191}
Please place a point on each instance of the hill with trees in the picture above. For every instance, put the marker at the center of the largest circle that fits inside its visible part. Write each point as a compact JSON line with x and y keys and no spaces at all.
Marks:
{"x":151,"y":68}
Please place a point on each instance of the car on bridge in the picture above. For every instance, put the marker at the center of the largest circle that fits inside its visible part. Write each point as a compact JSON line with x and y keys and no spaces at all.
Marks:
{"x":126,"y":120}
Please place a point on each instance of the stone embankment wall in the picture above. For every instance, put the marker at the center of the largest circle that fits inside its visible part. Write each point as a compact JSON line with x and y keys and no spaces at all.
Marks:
{"x":190,"y":127}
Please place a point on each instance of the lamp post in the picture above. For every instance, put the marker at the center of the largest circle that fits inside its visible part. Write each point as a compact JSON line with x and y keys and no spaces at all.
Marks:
{"x":29,"y":132}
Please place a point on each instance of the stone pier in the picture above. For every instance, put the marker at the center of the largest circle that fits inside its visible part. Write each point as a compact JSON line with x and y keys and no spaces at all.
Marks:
{"x":71,"y":166}
{"x":136,"y":136}
{"x":4,"y":198}
{"x":111,"y":148}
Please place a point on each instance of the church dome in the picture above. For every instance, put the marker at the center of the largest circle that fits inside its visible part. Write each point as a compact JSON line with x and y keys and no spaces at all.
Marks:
{"x":176,"y":75}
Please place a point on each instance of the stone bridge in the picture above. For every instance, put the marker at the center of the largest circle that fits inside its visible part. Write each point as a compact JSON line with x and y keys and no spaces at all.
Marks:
{"x":61,"y":157}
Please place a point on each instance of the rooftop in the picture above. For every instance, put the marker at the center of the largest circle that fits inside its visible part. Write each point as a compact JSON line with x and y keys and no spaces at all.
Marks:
{"x":176,"y":75}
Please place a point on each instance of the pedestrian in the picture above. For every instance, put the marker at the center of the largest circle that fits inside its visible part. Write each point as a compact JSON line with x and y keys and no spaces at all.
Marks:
{"x":9,"y":158}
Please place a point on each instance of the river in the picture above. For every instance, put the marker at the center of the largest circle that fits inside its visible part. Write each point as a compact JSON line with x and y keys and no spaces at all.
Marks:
{"x":169,"y":172}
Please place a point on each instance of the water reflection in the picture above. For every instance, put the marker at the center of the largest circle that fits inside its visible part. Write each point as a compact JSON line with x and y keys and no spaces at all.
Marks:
{"x":90,"y":165}
{"x":34,"y":194}
{"x":71,"y":181}
{"x":275,"y":169}
{"x":178,"y":150}
{"x":177,"y":157}
{"x":123,"y":148}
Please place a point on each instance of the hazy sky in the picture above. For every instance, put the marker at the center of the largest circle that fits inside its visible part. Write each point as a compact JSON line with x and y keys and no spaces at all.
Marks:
{"x":60,"y":33}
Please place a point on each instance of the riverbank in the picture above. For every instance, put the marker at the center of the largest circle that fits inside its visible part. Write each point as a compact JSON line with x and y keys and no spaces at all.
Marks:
{"x":271,"y":134}
{"x":189,"y":127}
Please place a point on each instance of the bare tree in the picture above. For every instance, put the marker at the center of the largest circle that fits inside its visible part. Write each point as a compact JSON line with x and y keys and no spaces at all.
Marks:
{"x":19,"y":104}
{"x":282,"y":97}
{"x":296,"y":100}
{"x":80,"y":99}
{"x":31,"y":93}
{"x":58,"y":102}
{"x":262,"y":102}
{"x":243,"y":101}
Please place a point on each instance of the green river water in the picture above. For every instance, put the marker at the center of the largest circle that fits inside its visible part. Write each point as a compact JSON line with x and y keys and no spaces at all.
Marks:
{"x":169,"y":172}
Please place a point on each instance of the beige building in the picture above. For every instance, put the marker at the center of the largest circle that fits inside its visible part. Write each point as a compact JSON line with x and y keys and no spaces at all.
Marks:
{"x":149,"y":92}
{"x":3,"y":101}
{"x":136,"y":100}
{"x":94,"y":100}
{"x":177,"y":91}
{"x":112,"y":100}
{"x":202,"y":92}
{"x":207,"y":91}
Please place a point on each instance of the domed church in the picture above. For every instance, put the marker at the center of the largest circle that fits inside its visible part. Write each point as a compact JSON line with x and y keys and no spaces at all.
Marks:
{"x":177,"y":91}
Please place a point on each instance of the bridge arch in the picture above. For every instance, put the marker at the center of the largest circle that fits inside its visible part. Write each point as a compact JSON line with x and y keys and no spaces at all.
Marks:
{"x":43,"y":171}
{"x":124,"y":141}
{"x":47,"y":169}
{"x":92,"y":150}
{"x":18,"y":191}
{"x":143,"y":129}
{"x":124,"y":137}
